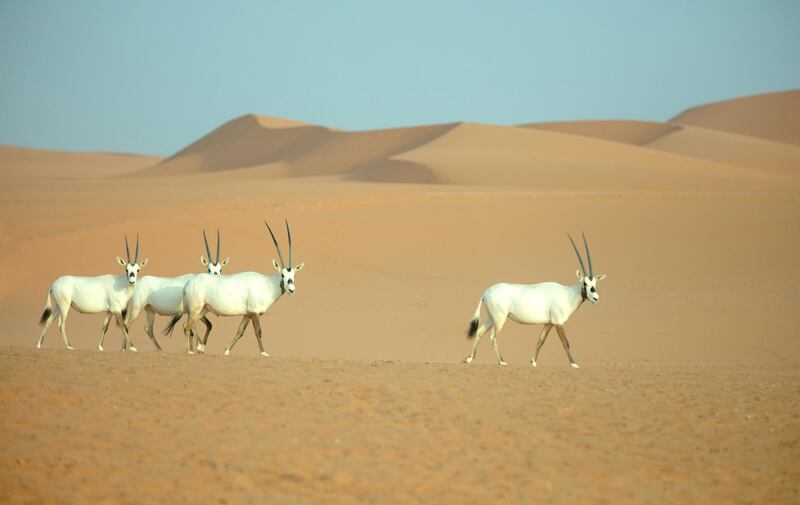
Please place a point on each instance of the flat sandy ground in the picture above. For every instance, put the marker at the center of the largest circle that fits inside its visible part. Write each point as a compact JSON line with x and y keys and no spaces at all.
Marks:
{"x":83,"y":427}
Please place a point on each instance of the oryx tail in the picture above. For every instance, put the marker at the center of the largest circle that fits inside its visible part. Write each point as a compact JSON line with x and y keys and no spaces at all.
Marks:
{"x":475,"y":321}
{"x":172,"y":322}
{"x":48,"y":309}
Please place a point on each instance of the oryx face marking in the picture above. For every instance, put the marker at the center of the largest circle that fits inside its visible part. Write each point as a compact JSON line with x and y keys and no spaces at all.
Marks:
{"x":132,"y":272}
{"x":132,"y":267}
{"x":590,"y":288}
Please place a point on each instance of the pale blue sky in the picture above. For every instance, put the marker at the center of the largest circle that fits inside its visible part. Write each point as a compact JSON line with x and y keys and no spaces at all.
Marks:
{"x":152,"y":76}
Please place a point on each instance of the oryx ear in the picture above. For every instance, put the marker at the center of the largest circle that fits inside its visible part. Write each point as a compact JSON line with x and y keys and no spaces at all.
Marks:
{"x":121,"y":261}
{"x":226,"y":261}
{"x":144,"y":263}
{"x":299,"y":267}
{"x":578,"y":273}
{"x":600,"y":277}
{"x":275,"y":264}
{"x":203,"y":260}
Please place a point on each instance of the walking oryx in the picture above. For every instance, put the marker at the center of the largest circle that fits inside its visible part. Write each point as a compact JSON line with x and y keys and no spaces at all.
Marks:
{"x":246,"y":294}
{"x":164,"y":295}
{"x":92,"y":295}
{"x":547,"y":303}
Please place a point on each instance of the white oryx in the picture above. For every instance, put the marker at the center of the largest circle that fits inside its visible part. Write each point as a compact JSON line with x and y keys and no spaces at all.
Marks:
{"x":547,"y":303}
{"x":93,"y":295}
{"x":246,"y":294}
{"x":164,"y":295}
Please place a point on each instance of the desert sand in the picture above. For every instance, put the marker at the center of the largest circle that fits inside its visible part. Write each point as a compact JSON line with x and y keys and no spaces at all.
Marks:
{"x":696,"y":222}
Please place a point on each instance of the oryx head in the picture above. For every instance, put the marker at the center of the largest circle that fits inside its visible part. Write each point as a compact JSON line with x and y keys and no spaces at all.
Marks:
{"x":214,"y":267}
{"x":287,"y":271}
{"x":589,"y":281}
{"x":132,"y":267}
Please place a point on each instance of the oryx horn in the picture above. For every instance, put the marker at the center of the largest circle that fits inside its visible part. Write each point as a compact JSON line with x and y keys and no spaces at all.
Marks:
{"x":588,"y":256}
{"x":289,"y":233}
{"x":127,"y":249}
{"x":136,"y":256}
{"x":280,"y":255}
{"x":590,"y":263}
{"x":580,"y":260}
{"x":208,"y":249}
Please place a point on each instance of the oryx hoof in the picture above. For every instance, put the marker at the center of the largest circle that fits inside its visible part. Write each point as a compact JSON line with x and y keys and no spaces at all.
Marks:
{"x":69,"y":347}
{"x":574,"y":365}
{"x":263,"y":353}
{"x":227,"y":352}
{"x":468,"y":359}
{"x":133,"y":349}
{"x":100,"y":348}
{"x":190,"y":352}
{"x":38,"y":345}
{"x":201,"y":349}
{"x":503,"y":363}
{"x":533,"y":364}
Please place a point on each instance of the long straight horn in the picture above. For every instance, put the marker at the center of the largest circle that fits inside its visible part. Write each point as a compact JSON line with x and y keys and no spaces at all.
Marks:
{"x":136,"y":258}
{"x":580,"y":260}
{"x":588,"y":256}
{"x":280,"y":255}
{"x":208,"y":249}
{"x":217,"y":247}
{"x":127,"y":249}
{"x":289,"y":233}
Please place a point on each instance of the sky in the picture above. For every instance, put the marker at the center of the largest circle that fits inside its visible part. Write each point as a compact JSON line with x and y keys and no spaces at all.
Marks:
{"x":153,"y":76}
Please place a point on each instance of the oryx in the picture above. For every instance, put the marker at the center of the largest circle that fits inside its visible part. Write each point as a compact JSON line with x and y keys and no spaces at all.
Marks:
{"x":164,"y":295}
{"x":547,"y":303}
{"x":92,"y":295}
{"x":246,"y":294}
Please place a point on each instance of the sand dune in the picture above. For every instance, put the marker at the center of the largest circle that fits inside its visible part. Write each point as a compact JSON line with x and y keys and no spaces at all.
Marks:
{"x":401,"y":231}
{"x":771,"y":116}
{"x":23,"y":163}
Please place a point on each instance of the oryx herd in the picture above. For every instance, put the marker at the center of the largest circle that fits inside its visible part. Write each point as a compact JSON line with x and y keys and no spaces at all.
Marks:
{"x":251,"y":294}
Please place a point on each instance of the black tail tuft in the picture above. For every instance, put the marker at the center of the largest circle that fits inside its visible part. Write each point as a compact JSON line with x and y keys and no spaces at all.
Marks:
{"x":46,"y":315}
{"x":172,"y":323}
{"x":473,"y":327}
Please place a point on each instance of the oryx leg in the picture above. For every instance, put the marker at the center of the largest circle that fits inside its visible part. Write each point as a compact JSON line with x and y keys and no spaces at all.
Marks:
{"x":201,"y":344}
{"x":62,"y":324}
{"x":486,"y":326}
{"x":52,"y":317}
{"x":498,"y":325}
{"x":188,"y":330}
{"x":106,"y":322}
{"x":126,"y":343}
{"x":239,"y":333}
{"x":257,"y":330}
{"x":148,"y":327}
{"x":542,"y":338}
{"x":564,"y":342}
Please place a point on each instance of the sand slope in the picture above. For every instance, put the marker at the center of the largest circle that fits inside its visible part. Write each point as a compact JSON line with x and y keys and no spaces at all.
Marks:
{"x":629,"y":132}
{"x":771,"y":116}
